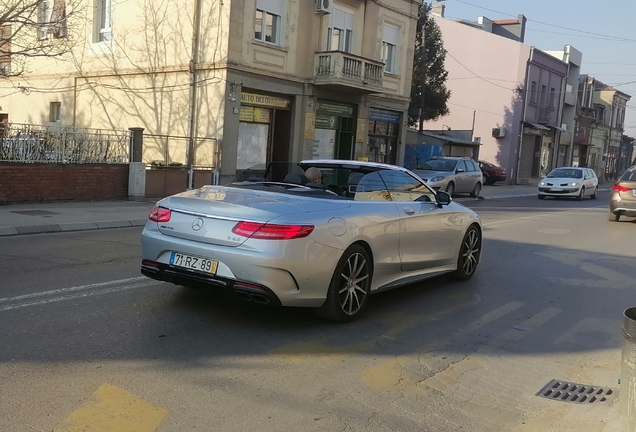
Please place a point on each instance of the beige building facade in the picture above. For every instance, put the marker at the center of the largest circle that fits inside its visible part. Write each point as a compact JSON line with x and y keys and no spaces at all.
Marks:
{"x":268,"y":80}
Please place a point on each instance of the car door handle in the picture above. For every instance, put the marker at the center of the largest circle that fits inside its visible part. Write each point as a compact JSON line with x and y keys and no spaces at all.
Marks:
{"x":408,"y":211}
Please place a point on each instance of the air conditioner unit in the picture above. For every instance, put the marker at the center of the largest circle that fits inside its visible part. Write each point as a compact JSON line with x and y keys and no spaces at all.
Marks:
{"x":499,"y":132}
{"x":323,"y":7}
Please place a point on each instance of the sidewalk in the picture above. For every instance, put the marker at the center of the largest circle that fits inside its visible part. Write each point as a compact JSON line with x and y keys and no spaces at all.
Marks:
{"x":18,"y":219}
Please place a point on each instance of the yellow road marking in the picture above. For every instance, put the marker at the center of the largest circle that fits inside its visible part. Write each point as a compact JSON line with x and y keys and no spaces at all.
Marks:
{"x":113,"y":409}
{"x":398,"y":322}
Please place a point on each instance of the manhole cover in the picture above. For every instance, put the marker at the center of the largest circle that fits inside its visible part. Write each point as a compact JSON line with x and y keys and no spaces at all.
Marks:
{"x":576,"y":393}
{"x":35,"y":213}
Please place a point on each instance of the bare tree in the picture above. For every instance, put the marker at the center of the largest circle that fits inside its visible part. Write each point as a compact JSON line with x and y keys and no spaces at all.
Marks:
{"x":35,"y":28}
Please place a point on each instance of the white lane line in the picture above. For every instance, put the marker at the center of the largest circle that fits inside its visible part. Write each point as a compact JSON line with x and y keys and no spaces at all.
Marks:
{"x":71,"y":289}
{"x":75,"y":296}
{"x":539,"y":216}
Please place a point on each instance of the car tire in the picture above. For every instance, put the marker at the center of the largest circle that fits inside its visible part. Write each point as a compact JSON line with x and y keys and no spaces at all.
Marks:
{"x":450,"y":188}
{"x":346,"y":298}
{"x":476,"y":191}
{"x":581,"y":194}
{"x":613,"y":217}
{"x":594,"y":195}
{"x":469,"y":254}
{"x":541,"y":197}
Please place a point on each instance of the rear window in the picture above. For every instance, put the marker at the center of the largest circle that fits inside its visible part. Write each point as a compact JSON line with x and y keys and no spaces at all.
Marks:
{"x":629,"y":176}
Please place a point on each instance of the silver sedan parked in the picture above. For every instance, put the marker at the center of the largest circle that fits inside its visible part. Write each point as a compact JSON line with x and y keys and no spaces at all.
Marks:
{"x":452,"y":174}
{"x":362,"y":229}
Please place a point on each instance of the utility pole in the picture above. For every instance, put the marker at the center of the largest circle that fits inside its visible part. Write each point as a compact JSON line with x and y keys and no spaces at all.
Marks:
{"x":192,"y":116}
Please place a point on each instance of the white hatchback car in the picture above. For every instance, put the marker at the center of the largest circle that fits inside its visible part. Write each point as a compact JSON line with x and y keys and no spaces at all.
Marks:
{"x":569,"y":182}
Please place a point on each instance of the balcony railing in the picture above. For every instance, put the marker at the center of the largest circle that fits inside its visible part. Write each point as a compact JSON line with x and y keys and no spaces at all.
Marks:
{"x":545,"y":114}
{"x":339,"y":69}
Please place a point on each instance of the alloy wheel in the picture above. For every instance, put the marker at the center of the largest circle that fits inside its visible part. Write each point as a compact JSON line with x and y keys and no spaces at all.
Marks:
{"x":470,"y":252}
{"x":354,"y":284}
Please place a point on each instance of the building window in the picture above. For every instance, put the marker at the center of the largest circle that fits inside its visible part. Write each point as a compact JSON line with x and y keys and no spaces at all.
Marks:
{"x":54,"y":111}
{"x":43,"y":19}
{"x":267,"y":23}
{"x":552,"y":97}
{"x":544,"y":95}
{"x":340,"y":32}
{"x":534,"y":93}
{"x":389,"y":48}
{"x":104,"y":20}
{"x":5,"y":68}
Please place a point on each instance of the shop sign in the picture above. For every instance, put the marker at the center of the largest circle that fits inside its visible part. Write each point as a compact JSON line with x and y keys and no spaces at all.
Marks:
{"x":334,"y":109}
{"x":384,"y":115}
{"x":255,"y":115}
{"x":263,"y":100}
{"x":310,"y":125}
{"x":326,"y":122}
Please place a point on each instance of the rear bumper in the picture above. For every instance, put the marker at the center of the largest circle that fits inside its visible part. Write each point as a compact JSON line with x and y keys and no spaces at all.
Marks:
{"x":242,"y":290}
{"x":297,"y":274}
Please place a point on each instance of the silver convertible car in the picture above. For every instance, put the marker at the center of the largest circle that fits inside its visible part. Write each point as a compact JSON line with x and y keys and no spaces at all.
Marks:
{"x":361,"y":229}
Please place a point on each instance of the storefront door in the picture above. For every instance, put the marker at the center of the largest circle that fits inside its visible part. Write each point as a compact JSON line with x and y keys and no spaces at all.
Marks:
{"x":384,"y":130}
{"x":335,"y":131}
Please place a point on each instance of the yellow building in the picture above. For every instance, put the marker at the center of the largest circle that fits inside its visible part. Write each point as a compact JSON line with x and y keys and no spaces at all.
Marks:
{"x":275,"y":79}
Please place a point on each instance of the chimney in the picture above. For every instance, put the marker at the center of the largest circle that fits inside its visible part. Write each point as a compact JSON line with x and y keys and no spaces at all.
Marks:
{"x":439,"y":10}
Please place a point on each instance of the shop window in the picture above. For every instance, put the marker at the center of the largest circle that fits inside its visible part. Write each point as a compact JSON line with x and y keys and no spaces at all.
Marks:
{"x":267,"y":23}
{"x":340,"y":32}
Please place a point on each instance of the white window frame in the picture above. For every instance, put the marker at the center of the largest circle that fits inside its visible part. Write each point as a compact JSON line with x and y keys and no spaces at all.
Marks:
{"x":342,"y":20}
{"x":44,"y":13}
{"x":275,"y":9}
{"x":390,"y":48}
{"x":104,"y":20}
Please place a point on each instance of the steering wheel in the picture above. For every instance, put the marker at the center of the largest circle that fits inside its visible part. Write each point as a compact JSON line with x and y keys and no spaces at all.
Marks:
{"x":335,"y":189}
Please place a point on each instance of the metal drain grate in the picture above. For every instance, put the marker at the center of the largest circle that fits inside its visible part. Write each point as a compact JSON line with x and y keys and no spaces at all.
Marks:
{"x":576,"y":393}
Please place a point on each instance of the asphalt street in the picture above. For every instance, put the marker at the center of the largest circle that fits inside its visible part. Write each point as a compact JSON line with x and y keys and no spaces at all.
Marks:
{"x":86,"y":343}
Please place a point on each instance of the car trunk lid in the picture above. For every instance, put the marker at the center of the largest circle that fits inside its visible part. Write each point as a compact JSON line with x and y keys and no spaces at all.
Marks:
{"x":209,"y":214}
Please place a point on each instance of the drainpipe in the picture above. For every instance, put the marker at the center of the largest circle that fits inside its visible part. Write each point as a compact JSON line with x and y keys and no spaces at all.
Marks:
{"x":523,"y":116}
{"x":194,"y":62}
{"x":555,"y":156}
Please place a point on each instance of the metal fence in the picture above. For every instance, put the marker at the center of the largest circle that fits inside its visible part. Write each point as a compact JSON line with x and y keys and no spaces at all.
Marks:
{"x":29,"y":143}
{"x":172,"y":150}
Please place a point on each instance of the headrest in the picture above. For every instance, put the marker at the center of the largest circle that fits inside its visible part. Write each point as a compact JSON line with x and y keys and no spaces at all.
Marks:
{"x":295,"y":178}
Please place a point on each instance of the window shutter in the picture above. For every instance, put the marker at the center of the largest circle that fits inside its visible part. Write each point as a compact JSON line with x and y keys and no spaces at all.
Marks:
{"x":391,"y":34}
{"x":271,"y":6}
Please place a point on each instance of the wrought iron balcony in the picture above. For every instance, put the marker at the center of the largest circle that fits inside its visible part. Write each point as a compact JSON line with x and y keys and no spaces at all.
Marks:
{"x":346,"y":71}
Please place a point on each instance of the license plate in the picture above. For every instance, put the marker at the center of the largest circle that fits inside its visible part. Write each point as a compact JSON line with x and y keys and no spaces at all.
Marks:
{"x":194,"y":263}
{"x":556,"y":190}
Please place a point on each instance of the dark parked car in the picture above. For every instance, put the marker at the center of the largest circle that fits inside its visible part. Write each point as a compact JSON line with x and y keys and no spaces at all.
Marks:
{"x":492,"y":173}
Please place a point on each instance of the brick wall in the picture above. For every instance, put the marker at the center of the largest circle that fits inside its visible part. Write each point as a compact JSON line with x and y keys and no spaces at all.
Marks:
{"x":62,"y":182}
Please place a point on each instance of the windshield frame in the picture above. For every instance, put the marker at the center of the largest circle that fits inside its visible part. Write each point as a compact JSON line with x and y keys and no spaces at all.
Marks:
{"x":432,"y":168}
{"x":564,"y":171}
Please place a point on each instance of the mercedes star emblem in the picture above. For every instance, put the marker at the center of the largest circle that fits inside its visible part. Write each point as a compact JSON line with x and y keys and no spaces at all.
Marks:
{"x":197,"y":224}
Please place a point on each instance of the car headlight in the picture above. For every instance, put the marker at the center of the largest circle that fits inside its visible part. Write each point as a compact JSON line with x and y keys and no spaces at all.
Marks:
{"x":437,"y":179}
{"x":573,"y":184}
{"x":542,"y":184}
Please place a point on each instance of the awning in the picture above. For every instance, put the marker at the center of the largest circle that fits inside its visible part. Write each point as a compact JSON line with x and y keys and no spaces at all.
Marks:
{"x":561,"y":129}
{"x":537,"y":126}
{"x":450,"y":139}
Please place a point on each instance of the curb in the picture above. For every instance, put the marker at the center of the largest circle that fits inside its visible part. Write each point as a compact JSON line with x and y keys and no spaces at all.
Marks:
{"x":460,"y":199}
{"x":70,"y":227}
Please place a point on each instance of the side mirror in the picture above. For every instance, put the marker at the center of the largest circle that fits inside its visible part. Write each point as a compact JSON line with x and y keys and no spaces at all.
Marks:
{"x":443,"y":198}
{"x":461,"y":170}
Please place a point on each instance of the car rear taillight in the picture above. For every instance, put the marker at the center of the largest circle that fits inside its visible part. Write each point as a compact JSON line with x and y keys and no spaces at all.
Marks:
{"x":160,"y":214}
{"x":271,"y":232}
{"x":620,"y":188}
